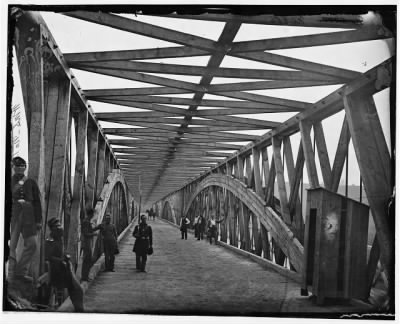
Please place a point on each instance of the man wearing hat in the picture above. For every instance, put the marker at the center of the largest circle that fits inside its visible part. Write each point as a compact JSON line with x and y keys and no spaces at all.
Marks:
{"x":109,"y":235}
{"x":26,"y":219}
{"x":144,"y":240}
{"x":87,"y":233}
{"x":61,"y":271}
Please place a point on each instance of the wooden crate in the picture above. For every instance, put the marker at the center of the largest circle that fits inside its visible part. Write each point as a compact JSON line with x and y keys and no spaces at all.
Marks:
{"x":335,"y":246}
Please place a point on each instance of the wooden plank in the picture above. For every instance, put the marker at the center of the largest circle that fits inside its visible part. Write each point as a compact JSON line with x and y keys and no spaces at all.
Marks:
{"x":92,"y":145}
{"x":217,"y":89}
{"x":340,"y":156}
{"x":249,"y":172}
{"x":257,"y":171}
{"x":322,"y":154}
{"x":276,"y":146}
{"x":220,"y":89}
{"x":330,"y":72}
{"x":265,"y":166}
{"x":287,"y":151}
{"x":364,"y":34}
{"x":375,"y":167}
{"x":81,"y":121}
{"x":61,"y":139}
{"x":305,"y":129}
{"x":297,"y":177}
{"x":30,"y":66}
{"x":100,"y":165}
{"x":307,"y":20}
{"x":140,"y":54}
{"x":373,"y":261}
{"x":141,"y":77}
{"x":51,"y":99}
{"x":215,"y":121}
{"x":270,"y":186}
{"x":248,"y":100}
{"x":181,"y":69}
{"x":139,"y":132}
{"x":265,"y":242}
{"x":145,"y":91}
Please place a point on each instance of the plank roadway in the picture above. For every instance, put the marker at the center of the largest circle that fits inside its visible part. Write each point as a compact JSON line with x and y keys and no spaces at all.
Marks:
{"x":195,"y":278}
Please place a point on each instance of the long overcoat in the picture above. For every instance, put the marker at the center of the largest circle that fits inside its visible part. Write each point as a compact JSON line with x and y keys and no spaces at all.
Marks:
{"x":144,"y":238}
{"x":26,"y":206}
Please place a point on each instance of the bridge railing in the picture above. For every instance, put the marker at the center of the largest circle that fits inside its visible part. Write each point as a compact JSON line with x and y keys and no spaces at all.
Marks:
{"x":267,"y":167}
{"x":69,"y":156}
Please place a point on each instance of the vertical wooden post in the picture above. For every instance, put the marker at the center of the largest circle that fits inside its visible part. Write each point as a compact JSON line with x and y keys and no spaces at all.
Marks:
{"x":375,"y":167}
{"x":276,"y":144}
{"x":305,"y":129}
{"x":73,"y":232}
{"x":340,"y":156}
{"x":100,"y":165}
{"x":28,"y":47}
{"x":61,"y":140}
{"x":249,"y":171}
{"x":257,"y":171}
{"x":294,"y":174}
{"x":92,"y":139}
{"x":323,"y":154}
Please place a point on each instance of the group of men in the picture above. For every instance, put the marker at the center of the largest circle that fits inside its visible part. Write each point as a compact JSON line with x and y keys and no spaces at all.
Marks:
{"x":26,"y":221}
{"x":199,"y":228}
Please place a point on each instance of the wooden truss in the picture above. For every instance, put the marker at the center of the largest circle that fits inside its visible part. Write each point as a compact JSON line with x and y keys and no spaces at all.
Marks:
{"x":174,"y":145}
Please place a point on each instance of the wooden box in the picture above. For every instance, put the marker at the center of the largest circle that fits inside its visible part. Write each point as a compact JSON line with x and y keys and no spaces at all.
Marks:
{"x":335,"y":246}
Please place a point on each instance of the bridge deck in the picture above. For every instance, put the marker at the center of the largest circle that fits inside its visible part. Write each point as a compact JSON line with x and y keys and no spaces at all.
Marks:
{"x":194,"y":277}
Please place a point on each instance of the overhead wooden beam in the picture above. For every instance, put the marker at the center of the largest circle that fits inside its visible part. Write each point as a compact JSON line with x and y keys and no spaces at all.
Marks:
{"x":140,"y":54}
{"x":217,"y":89}
{"x":252,"y":101}
{"x":322,"y":20}
{"x":179,"y":69}
{"x":359,"y":35}
{"x":330,"y":72}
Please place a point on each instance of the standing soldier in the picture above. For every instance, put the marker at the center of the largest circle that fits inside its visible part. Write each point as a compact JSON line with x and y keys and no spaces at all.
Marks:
{"x":196,"y":226}
{"x":61,"y":269}
{"x":183,"y":226}
{"x":26,"y":219}
{"x":109,"y":235}
{"x":87,"y":233}
{"x":201,"y":227}
{"x":144,"y":241}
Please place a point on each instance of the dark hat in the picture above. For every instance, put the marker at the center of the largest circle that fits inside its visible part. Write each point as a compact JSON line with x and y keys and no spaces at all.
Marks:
{"x":53,"y":222}
{"x":18,"y":161}
{"x":107,"y":216}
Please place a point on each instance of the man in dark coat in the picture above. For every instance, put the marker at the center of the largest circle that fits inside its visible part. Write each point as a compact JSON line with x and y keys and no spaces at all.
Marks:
{"x":87,"y":233}
{"x":109,"y":236}
{"x":26,"y":219}
{"x":144,"y":240}
{"x":201,"y":227}
{"x":183,"y":227}
{"x":61,"y":269}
